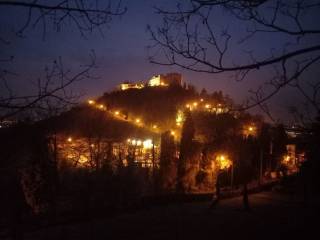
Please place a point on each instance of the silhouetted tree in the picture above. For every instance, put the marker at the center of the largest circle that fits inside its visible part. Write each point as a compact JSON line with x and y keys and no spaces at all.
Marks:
{"x":168,"y":162}
{"x":309,"y":170}
{"x":246,"y":148}
{"x":189,"y":37}
{"x":52,"y":94}
{"x":186,"y":149}
{"x":279,"y":142}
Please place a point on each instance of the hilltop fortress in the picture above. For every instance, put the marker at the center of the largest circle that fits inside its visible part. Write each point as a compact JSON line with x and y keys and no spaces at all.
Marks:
{"x":163,"y":80}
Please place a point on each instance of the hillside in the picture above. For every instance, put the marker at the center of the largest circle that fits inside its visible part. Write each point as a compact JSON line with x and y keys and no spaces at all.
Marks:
{"x":158,"y":105}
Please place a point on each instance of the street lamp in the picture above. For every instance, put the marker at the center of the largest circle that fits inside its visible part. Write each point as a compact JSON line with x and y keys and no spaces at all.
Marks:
{"x":250,"y":130}
{"x":101,"y":106}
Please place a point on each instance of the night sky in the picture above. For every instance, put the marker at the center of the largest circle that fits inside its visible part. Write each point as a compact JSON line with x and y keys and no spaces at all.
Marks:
{"x":122,"y":53}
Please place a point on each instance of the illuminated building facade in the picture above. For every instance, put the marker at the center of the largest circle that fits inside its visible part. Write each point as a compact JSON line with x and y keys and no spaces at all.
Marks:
{"x":126,"y":86}
{"x":165,"y":80}
{"x":156,"y":81}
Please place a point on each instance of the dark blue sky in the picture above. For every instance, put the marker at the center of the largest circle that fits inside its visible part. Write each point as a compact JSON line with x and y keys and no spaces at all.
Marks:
{"x":121,"y":53}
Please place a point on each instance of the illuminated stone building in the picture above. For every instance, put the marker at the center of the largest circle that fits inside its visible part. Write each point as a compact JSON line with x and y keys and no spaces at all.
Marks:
{"x":126,"y":86}
{"x":165,"y":80}
{"x":156,"y":81}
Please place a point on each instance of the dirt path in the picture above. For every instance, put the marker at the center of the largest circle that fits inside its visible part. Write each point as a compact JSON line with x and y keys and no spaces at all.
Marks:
{"x":273,"y":216}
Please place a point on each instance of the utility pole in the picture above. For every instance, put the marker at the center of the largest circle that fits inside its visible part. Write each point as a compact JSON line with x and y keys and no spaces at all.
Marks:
{"x":232,"y":176}
{"x":153,"y":166}
{"x":261,"y":166}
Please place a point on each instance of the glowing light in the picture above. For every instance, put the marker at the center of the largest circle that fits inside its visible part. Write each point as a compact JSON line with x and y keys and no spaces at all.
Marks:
{"x":69,"y":139}
{"x":195,"y":104}
{"x":133,"y":142}
{"x":201,"y":100}
{"x":286,"y":159}
{"x":172,"y":133}
{"x":116,"y":112}
{"x":92,"y":145}
{"x":147,"y":144}
{"x":128,"y":140}
{"x":207,"y":106}
{"x":138,"y":120}
{"x":179,"y":117}
{"x":91,"y":102}
{"x":155,"y":81}
{"x":125,"y":86}
{"x":163,"y":84}
{"x":178,"y":124}
{"x":83,"y":159}
{"x":187,"y":105}
{"x":154,"y":126}
{"x":139,"y":143}
{"x":223,"y":162}
{"x":250,"y":130}
{"x":101,"y":106}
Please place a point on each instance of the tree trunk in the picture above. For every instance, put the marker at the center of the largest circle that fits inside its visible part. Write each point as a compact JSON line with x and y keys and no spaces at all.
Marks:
{"x":246,"y":205}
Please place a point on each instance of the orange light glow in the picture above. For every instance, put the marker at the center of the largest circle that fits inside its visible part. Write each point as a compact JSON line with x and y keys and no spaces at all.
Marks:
{"x":286,"y":159}
{"x":138,"y":120}
{"x":147,"y":144}
{"x":69,"y":139}
{"x":116,"y":112}
{"x":223,"y":161}
{"x":91,"y":102}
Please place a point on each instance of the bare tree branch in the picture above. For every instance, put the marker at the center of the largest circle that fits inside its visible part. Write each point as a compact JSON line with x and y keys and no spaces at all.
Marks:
{"x":52,"y":94}
{"x":190,"y":39}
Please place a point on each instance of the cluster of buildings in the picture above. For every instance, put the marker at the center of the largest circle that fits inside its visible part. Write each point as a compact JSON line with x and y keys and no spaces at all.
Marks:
{"x":161,"y":80}
{"x":87,"y":152}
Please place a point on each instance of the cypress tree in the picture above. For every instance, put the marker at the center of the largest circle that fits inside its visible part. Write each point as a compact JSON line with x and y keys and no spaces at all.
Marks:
{"x":186,"y":146}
